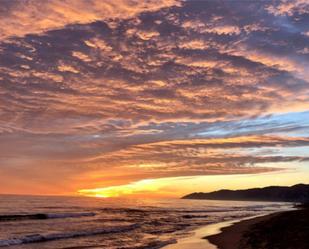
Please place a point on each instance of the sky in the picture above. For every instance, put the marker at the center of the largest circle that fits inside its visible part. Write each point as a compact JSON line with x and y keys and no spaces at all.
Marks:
{"x":153,"y":98}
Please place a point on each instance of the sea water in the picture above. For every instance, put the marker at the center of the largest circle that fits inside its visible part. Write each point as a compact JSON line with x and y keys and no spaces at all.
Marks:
{"x":39,"y":222}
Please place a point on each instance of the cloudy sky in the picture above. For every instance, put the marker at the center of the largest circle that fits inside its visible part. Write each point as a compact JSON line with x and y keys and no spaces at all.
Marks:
{"x":143,"y":97}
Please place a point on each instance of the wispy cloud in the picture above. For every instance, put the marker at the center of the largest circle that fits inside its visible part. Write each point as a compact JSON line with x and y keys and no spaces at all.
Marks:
{"x":160,"y":88}
{"x":20,"y":18}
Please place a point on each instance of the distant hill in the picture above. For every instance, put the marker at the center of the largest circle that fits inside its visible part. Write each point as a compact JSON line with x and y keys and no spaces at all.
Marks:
{"x":296,"y":193}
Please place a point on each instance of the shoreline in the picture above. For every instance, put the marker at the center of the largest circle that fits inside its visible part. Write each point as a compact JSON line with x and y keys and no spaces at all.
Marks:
{"x":196,"y":240}
{"x":221,"y":235}
{"x":229,"y":237}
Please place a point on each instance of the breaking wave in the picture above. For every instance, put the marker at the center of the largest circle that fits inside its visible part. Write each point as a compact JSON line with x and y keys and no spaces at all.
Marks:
{"x":18,"y":217}
{"x":35,"y":238}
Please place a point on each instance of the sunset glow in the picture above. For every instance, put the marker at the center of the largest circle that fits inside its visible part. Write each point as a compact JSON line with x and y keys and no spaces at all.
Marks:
{"x":147,"y":186}
{"x":152,"y":98}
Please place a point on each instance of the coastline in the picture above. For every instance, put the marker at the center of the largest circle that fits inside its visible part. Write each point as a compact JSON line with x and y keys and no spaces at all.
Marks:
{"x":229,"y":237}
{"x":222,"y":235}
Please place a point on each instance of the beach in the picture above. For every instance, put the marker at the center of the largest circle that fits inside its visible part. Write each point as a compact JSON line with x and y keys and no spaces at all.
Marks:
{"x":225,"y":235}
{"x":283,"y":230}
{"x":280,"y":230}
{"x":230,"y":236}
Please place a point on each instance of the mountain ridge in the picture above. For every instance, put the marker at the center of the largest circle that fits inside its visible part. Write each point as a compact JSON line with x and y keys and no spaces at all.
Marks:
{"x":295,"y":193}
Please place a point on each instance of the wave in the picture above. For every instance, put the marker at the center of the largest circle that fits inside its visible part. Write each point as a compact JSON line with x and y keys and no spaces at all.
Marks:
{"x":19,"y":217}
{"x":152,"y":245}
{"x":207,"y":210}
{"x":70,"y":215}
{"x":188,"y":216}
{"x":35,"y":238}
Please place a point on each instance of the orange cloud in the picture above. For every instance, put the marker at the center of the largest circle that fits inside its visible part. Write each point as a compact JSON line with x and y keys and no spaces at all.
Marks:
{"x":24,"y":17}
{"x":109,"y":93}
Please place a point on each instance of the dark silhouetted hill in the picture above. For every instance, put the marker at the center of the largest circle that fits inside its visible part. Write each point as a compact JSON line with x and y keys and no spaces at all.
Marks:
{"x":296,"y":193}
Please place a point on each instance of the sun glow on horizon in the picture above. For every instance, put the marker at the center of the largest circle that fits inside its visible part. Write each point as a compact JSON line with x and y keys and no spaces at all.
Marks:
{"x":175,"y":187}
{"x":138,"y":187}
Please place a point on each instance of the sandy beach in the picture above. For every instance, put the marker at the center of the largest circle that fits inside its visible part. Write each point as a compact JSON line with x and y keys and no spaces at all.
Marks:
{"x":230,"y":236}
{"x":223,"y":235}
{"x":283,"y":230}
{"x":262,"y":232}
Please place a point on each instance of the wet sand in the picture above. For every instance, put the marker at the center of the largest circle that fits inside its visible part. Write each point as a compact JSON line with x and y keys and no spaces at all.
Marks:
{"x":223,"y":235}
{"x":196,"y":241}
{"x":230,"y":237}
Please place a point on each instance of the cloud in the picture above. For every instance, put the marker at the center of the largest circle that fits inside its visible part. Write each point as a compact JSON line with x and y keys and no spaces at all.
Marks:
{"x":20,"y":18}
{"x":200,"y":156}
{"x":161,"y":89}
{"x":288,"y":7}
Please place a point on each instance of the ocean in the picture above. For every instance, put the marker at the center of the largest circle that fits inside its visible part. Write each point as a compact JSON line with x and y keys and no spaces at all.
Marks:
{"x":41,"y":222}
